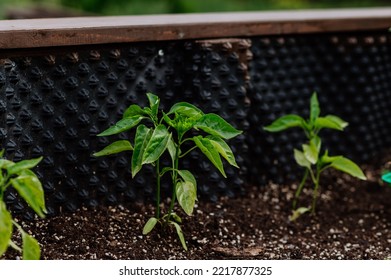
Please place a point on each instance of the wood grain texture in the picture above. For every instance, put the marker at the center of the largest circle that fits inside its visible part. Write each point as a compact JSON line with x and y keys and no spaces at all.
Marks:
{"x":16,"y":34}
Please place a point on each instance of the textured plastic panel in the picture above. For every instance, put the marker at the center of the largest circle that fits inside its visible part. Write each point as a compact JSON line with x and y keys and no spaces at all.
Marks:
{"x":351,"y":74}
{"x":55,"y":104}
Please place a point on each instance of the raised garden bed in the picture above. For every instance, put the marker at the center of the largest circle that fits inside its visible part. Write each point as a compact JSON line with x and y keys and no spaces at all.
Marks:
{"x":65,"y":85}
{"x":353,"y":221}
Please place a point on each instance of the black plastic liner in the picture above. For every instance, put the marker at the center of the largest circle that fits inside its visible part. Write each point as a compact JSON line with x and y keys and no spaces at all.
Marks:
{"x":54,"y":104}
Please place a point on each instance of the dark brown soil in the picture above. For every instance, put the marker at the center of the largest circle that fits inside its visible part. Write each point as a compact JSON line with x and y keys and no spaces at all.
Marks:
{"x":353,"y":221}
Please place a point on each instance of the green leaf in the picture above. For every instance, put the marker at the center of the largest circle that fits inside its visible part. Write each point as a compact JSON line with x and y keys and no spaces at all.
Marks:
{"x":5,"y":163}
{"x":314,"y":108}
{"x":114,"y":148}
{"x":207,"y":148}
{"x":329,"y":122}
{"x":30,"y":189}
{"x":22,"y":165}
{"x":31,"y":250}
{"x":301,"y":159}
{"x":386,"y":177}
{"x":147,"y":111}
{"x":169,"y":121}
{"x":316,"y":142}
{"x":153,"y":103}
{"x":180,"y":235}
{"x":141,"y":139}
{"x":171,"y":147}
{"x":156,"y":145}
{"x":285,"y":122}
{"x":186,"y":109}
{"x":346,"y":165}
{"x":297,"y":213}
{"x":173,"y":217}
{"x":186,"y":193}
{"x":342,"y":124}
{"x":28,"y":172}
{"x":311,"y":153}
{"x":224,"y":150}
{"x":2,"y":153}
{"x":217,"y":126}
{"x":186,"y":175}
{"x":133,"y":111}
{"x":122,"y":125}
{"x":5,"y":227}
{"x":176,"y":218}
{"x":149,"y":225}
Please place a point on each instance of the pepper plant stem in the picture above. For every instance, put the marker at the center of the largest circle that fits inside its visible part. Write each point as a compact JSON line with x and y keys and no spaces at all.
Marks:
{"x":316,"y":190}
{"x":300,"y":188}
{"x":14,"y":246}
{"x":188,"y":151}
{"x":174,"y":178}
{"x":158,"y":190}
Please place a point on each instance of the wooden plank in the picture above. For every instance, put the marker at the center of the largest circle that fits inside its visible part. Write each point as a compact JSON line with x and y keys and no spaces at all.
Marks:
{"x":16,"y":34}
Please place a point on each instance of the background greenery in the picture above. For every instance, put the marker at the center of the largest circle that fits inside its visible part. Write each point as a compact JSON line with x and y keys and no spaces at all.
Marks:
{"x":128,"y":7}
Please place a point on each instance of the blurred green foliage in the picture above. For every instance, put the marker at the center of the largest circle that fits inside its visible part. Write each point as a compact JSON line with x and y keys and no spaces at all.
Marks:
{"x":128,"y":7}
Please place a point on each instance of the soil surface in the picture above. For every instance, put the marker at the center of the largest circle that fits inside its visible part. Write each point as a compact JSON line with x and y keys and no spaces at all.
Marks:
{"x":353,"y":221}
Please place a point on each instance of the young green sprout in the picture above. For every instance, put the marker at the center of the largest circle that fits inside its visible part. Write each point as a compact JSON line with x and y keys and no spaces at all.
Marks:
{"x":169,"y":132}
{"x":26,"y":183}
{"x":310,"y":157}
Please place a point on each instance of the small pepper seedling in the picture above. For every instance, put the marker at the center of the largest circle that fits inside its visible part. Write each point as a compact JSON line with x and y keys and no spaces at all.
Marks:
{"x":310,"y":156}
{"x":168,"y":132}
